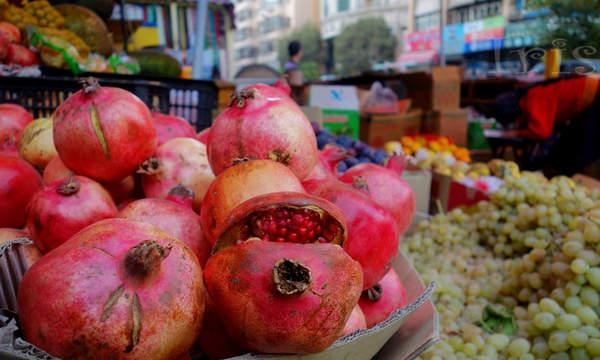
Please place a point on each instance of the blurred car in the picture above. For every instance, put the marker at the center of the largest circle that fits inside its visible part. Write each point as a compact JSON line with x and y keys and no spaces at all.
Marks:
{"x":568,"y":67}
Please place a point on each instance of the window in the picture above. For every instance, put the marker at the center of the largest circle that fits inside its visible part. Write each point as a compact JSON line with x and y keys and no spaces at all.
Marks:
{"x":267,"y":47}
{"x":274,"y":23}
{"x":427,"y":21}
{"x":243,"y":33}
{"x":246,"y":52}
{"x":474,"y":12}
{"x":325,"y":8}
{"x":244,"y":15}
{"x":343,"y":5}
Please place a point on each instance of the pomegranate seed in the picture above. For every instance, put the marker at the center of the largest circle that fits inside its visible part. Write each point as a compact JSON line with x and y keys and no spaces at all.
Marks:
{"x":290,"y":225}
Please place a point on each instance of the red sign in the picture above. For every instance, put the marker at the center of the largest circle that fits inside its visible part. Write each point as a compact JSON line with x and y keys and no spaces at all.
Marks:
{"x":489,"y":34}
{"x":422,"y":40}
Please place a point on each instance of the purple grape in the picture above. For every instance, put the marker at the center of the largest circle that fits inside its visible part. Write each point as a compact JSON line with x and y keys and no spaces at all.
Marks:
{"x":341,"y":166}
{"x":351,"y":161}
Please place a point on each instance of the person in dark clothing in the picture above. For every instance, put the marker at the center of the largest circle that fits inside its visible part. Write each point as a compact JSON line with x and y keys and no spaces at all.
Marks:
{"x":292,"y":67}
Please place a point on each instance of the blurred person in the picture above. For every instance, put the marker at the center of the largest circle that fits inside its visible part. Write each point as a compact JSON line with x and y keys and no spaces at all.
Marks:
{"x":292,"y":67}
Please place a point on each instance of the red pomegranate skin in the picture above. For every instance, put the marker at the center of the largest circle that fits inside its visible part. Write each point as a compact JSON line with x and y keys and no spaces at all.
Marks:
{"x":13,"y":120}
{"x":373,"y":237}
{"x":104,"y":134}
{"x":65,"y":298}
{"x":175,"y":219}
{"x":19,"y":182}
{"x":64,"y":207}
{"x":55,"y":170}
{"x":179,"y":161}
{"x":238,"y":184}
{"x":20,"y":55}
{"x":262,"y":123}
{"x":31,"y":253}
{"x":214,"y":340}
{"x":3,"y":47}
{"x":393,"y":297}
{"x":202,"y":136}
{"x":10,"y":32}
{"x":387,"y":188}
{"x":242,"y":283}
{"x":121,"y":190}
{"x":326,"y":166}
{"x":355,"y":322}
{"x":170,"y":126}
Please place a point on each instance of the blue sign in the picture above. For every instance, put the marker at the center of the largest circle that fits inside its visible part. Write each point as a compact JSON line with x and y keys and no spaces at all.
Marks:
{"x":483,"y":45}
{"x":454,"y":39}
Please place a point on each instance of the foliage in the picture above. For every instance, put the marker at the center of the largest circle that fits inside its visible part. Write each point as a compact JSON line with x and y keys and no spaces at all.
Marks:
{"x":362,"y":44}
{"x":573,"y":26}
{"x":312,"y":50}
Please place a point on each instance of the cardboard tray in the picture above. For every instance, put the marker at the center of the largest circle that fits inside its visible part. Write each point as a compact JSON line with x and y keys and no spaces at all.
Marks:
{"x":404,"y":335}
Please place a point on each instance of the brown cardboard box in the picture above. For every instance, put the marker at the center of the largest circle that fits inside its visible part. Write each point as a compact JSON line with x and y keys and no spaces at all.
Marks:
{"x":419,"y":181}
{"x":376,"y":130}
{"x":226,"y":90}
{"x":446,"y":88}
{"x":451,"y":123}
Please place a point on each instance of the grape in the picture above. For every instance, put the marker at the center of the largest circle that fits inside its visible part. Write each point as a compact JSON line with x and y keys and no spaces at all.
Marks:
{"x":526,"y":249}
{"x":544,"y":320}
{"x":518,"y":347}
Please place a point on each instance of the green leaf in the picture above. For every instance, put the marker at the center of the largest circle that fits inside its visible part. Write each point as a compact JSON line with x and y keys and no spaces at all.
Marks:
{"x":498,"y":319}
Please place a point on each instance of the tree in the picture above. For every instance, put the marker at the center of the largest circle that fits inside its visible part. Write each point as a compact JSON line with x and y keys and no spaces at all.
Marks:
{"x":312,"y":50}
{"x":573,"y":26}
{"x":362,"y":44}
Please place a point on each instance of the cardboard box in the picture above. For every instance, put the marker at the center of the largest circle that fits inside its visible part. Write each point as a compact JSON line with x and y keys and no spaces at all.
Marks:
{"x":405,"y":334}
{"x":226,"y":91}
{"x":376,"y":130}
{"x":420,"y":181}
{"x":447,"y":194}
{"x":340,"y":107}
{"x":451,"y":123}
{"x":446,"y":88}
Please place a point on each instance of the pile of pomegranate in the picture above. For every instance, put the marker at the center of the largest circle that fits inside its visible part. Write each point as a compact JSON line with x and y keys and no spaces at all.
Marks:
{"x":152,"y":239}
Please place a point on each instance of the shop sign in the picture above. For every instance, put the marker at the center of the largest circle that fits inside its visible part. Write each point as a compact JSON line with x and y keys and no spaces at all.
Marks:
{"x":422,"y":40}
{"x":525,"y":33}
{"x":483,"y":35}
{"x":454,"y":39}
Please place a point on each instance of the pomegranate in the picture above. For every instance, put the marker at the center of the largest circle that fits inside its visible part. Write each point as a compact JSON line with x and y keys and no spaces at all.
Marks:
{"x":326,"y":166}
{"x":178,"y":161}
{"x":175,"y":219}
{"x":355,"y":322}
{"x":121,"y":190}
{"x":36,"y":145}
{"x":170,"y":126}
{"x":262,"y":123}
{"x":20,"y":55}
{"x":64,"y":207}
{"x":284,"y":217}
{"x":385,"y":187}
{"x":202,"y":136}
{"x":103,"y":133}
{"x":283,"y":85}
{"x":10,"y":32}
{"x":109,"y":293}
{"x":13,"y":119}
{"x":55,"y":170}
{"x":19,"y":182}
{"x":283,"y":298}
{"x":214,"y":340}
{"x":238,"y":184}
{"x":378,"y":302}
{"x":373,"y":237}
{"x":3,"y":47}
{"x":31,"y":253}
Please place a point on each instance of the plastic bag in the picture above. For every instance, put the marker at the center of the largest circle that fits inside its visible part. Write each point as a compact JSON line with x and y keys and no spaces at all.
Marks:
{"x":381,"y":100}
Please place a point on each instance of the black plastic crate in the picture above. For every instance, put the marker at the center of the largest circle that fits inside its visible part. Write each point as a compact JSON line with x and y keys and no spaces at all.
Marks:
{"x":193,"y":100}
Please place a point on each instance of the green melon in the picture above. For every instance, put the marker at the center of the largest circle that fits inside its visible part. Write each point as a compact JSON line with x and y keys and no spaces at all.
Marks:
{"x":88,"y":26}
{"x":156,"y":63}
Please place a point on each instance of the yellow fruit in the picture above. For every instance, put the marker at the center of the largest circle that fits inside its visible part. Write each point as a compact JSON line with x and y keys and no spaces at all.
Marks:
{"x":36,"y":145}
{"x":46,"y":15}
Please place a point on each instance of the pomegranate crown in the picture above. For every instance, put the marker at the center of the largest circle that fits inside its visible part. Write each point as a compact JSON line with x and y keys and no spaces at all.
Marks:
{"x":90,"y":84}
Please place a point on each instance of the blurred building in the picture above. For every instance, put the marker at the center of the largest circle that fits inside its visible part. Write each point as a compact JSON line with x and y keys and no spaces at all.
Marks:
{"x":487,"y":36}
{"x":260,"y":24}
{"x":336,"y":14}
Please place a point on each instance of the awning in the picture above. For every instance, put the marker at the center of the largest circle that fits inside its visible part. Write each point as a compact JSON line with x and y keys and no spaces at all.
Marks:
{"x":418,"y":57}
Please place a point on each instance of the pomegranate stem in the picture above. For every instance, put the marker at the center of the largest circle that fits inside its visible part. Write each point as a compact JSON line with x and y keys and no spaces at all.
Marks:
{"x":68,"y":187}
{"x":144,"y":259}
{"x":291,"y":277}
{"x":90,"y":85}
{"x":375,"y":293}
